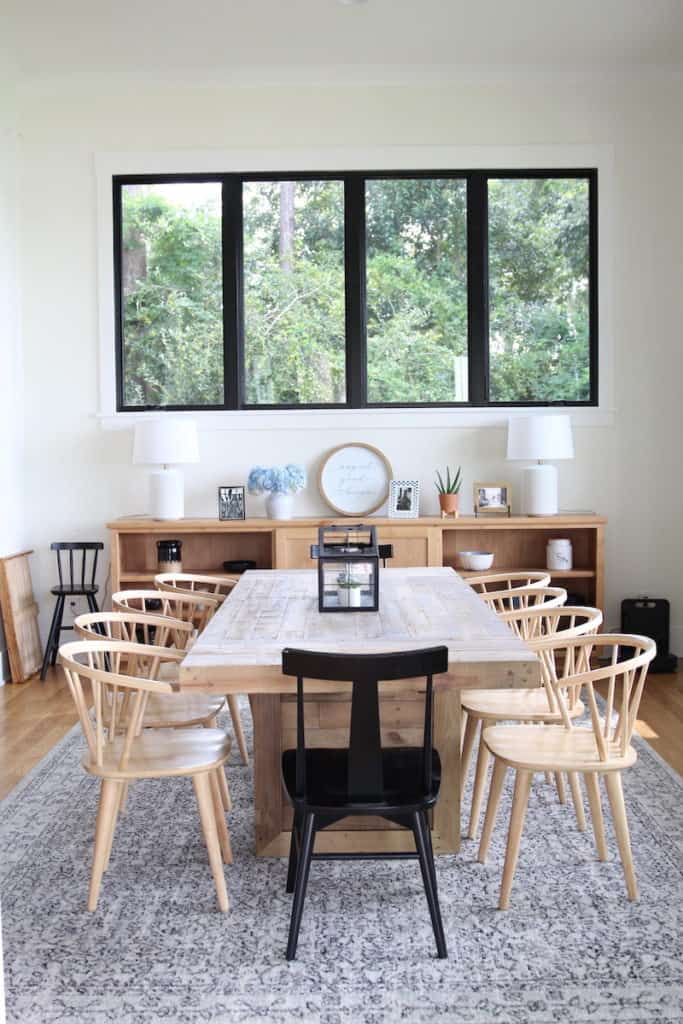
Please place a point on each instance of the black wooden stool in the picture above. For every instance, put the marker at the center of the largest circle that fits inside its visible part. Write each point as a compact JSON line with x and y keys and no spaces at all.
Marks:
{"x":79,"y":585}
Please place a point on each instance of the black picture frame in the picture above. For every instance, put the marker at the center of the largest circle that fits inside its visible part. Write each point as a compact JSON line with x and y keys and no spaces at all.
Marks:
{"x":231,"y":503}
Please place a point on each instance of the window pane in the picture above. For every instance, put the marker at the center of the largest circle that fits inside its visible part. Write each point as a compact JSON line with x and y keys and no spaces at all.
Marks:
{"x":294,"y":304}
{"x":172,"y":294}
{"x":539,"y":303}
{"x":417,"y":290}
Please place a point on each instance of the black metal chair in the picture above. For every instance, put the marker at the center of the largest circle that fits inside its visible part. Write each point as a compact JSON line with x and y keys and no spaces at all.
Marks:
{"x":80,"y":584}
{"x":325,"y":785}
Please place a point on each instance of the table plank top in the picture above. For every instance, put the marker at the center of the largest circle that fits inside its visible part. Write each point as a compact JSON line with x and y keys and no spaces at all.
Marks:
{"x":240,"y":649}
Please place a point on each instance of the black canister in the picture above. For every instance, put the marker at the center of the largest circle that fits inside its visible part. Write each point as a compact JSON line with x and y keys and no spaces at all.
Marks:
{"x":169,"y":555}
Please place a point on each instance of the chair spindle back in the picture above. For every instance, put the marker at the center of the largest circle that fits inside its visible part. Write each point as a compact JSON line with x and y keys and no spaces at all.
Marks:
{"x":119,"y":696}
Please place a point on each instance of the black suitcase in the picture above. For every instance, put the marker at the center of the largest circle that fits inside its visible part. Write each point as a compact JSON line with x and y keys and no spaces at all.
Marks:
{"x":649,"y":616}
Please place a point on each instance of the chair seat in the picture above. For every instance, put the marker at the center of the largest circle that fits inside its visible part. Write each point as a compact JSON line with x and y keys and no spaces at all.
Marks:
{"x":514,"y":705}
{"x":326,"y":778}
{"x":163,"y":752}
{"x":553,"y":748}
{"x":74,"y":589}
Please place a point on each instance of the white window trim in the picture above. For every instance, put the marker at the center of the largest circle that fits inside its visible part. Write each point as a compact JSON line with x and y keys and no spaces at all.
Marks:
{"x":335,"y":158}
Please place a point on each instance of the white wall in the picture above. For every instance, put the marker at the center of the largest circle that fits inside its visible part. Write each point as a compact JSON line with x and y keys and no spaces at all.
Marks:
{"x":11,"y":407}
{"x":78,"y":476}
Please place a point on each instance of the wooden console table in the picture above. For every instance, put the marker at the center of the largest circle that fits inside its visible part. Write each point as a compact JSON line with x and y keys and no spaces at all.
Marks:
{"x":518,"y":543}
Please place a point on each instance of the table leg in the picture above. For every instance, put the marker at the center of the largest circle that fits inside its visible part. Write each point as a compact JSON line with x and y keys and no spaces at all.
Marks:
{"x":268,"y":798}
{"x":447,"y":740}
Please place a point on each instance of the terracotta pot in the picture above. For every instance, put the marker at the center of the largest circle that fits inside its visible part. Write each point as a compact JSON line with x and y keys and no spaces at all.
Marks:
{"x":449,"y":504}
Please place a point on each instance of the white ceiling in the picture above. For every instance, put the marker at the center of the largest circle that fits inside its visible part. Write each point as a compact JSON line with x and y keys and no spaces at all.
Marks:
{"x":259,"y":37}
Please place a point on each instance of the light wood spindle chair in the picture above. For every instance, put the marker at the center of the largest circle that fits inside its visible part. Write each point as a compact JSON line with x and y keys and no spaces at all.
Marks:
{"x":198,"y":609}
{"x":517,"y":598}
{"x":542,"y":629}
{"x":218,"y":587}
{"x":602,"y":749}
{"x":120,"y":755}
{"x":486,"y":582}
{"x":162,"y":710}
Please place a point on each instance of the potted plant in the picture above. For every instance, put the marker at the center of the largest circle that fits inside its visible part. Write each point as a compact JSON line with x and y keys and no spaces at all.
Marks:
{"x":280,"y":483}
{"x":449,"y":492}
{"x":349,"y":590}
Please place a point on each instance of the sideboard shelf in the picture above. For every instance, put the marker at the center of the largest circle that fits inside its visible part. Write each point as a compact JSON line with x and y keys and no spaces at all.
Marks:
{"x":518,"y":544}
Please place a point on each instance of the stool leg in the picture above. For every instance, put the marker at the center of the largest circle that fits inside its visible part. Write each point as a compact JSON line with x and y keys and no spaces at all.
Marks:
{"x":54,"y":625}
{"x":58,"y":631}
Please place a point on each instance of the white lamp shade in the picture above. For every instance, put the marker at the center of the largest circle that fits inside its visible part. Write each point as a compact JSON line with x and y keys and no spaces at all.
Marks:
{"x":166,"y":441}
{"x":540,"y":437}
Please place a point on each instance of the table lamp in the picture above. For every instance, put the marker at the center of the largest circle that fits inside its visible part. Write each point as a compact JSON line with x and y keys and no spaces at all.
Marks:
{"x":540,"y":438}
{"x":166,"y":442}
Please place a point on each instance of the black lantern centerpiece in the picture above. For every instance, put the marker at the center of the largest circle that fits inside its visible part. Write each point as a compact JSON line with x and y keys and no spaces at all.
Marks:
{"x":348,"y":568}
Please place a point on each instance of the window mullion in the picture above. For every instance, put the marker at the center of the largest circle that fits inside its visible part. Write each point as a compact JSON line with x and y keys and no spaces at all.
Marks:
{"x":356,"y":311}
{"x":477,"y":289}
{"x":233,"y":312}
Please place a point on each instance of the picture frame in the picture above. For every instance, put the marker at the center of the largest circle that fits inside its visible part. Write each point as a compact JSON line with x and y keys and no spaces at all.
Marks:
{"x":404,"y":499}
{"x":231,"y":502}
{"x":492,"y":499}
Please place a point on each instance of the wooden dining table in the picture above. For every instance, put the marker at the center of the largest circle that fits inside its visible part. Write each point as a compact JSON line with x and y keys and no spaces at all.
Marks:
{"x":240,"y":651}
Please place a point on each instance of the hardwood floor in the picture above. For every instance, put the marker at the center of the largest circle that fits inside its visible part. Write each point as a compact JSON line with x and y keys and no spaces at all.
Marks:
{"x":34,"y":716}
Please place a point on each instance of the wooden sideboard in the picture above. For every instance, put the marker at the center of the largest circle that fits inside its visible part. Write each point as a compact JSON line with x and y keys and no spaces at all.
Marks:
{"x":518,"y":542}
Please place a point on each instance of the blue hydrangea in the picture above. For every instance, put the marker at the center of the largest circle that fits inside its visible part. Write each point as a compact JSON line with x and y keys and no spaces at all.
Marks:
{"x":277,"y":479}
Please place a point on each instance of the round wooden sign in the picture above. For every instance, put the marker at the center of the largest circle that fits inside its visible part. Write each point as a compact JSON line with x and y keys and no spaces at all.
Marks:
{"x":354,"y":479}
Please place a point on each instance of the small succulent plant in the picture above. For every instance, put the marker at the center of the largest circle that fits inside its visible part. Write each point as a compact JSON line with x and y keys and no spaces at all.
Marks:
{"x":451,"y":485}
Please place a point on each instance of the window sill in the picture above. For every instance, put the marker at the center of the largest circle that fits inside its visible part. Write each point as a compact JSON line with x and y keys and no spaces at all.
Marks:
{"x":370,"y":419}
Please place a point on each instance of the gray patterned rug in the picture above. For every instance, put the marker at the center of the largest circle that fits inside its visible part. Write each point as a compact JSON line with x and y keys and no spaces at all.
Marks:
{"x":571,"y":948}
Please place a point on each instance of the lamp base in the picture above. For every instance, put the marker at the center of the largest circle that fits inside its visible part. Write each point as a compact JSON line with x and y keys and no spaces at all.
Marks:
{"x":166,"y":494}
{"x":540,"y":490}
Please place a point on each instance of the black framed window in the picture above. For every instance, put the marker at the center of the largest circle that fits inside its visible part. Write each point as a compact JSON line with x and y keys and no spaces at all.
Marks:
{"x":360,"y":290}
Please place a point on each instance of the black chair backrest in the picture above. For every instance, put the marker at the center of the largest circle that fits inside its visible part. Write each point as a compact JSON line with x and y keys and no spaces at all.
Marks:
{"x":87,"y":550}
{"x":365,"y":781}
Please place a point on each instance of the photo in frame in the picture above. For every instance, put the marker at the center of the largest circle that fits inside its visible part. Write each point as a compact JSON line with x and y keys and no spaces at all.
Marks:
{"x":404,"y":499}
{"x":231,"y":503}
{"x":494,"y":499}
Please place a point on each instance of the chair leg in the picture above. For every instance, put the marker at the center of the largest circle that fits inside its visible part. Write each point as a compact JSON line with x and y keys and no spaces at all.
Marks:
{"x":616,"y":799}
{"x":577,"y":799}
{"x":58,"y":631}
{"x":225,"y":790}
{"x":593,"y":791}
{"x":471,"y":727}
{"x":106,"y":813}
{"x":302,"y":871}
{"x":219,"y":811}
{"x":202,"y":788}
{"x":420,"y":826}
{"x":49,"y":644}
{"x":519,"y":805}
{"x":233,"y":704}
{"x":559,"y":785}
{"x":294,"y":843}
{"x":497,"y":780}
{"x":118,"y":810}
{"x":479,"y":782}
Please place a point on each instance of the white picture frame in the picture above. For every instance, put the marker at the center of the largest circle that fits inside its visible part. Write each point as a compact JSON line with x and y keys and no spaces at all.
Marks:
{"x":354,"y":479}
{"x":404,"y":499}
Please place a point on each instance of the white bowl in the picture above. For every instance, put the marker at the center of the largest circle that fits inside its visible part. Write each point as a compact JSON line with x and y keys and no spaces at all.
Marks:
{"x":477,"y":560}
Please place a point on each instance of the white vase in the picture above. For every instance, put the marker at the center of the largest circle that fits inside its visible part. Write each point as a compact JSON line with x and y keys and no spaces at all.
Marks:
{"x":279,"y":506}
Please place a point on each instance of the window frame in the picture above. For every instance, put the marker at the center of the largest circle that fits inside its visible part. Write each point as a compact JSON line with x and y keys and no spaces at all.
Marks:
{"x":355,"y":280}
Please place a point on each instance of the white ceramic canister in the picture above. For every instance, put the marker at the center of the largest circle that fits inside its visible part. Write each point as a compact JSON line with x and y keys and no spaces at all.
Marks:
{"x":558,"y":553}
